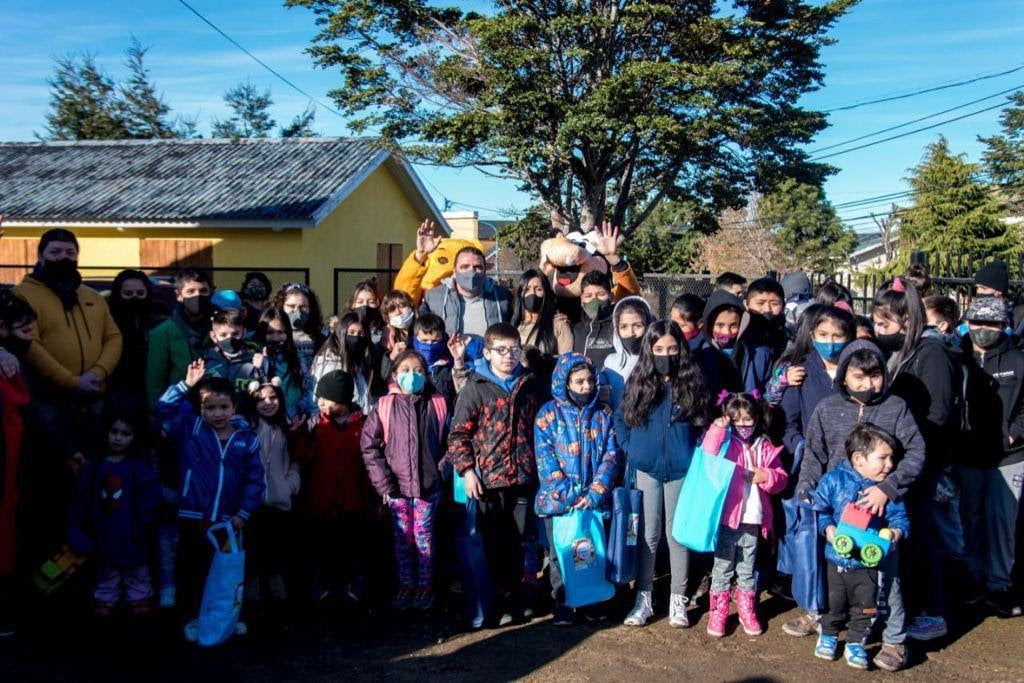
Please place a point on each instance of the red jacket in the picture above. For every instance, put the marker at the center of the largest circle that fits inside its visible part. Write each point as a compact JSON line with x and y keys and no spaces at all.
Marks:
{"x":338,"y":481}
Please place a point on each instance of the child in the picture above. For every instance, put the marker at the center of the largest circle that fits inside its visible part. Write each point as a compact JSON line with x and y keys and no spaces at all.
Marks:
{"x":349,"y":349}
{"x":730,"y":362}
{"x":491,"y":446}
{"x":578,"y":462}
{"x":657,"y":427}
{"x":403,"y":441}
{"x":114,"y":519}
{"x":230,"y":357}
{"x":365,"y":302}
{"x":271,"y":528}
{"x":275,"y":333}
{"x":943,"y":314}
{"x":852,"y":587}
{"x":631,"y":317}
{"x":338,"y":489}
{"x":175,"y":343}
{"x":765,"y":303}
{"x":864,"y":328}
{"x":400,"y":313}
{"x":443,"y":360}
{"x":992,"y":471}
{"x":688,"y":312}
{"x":730,"y":283}
{"x":222,"y":478}
{"x":748,"y":509}
{"x":593,"y":335}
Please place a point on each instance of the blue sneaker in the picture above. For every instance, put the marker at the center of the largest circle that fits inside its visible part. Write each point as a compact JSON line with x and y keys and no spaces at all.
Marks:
{"x":826,"y":647}
{"x":856,"y":656}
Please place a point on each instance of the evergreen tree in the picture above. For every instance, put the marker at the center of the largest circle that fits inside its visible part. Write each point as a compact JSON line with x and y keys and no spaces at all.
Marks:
{"x":952,"y":212}
{"x":806,"y":227}
{"x":142,"y":109}
{"x":302,"y":125}
{"x":250,"y":113}
{"x":83,"y":102}
{"x":667,"y":242}
{"x":1004,"y":154}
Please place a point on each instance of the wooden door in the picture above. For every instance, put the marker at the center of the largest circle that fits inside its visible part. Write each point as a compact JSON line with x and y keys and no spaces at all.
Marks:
{"x":18,"y":256}
{"x":164,"y":254}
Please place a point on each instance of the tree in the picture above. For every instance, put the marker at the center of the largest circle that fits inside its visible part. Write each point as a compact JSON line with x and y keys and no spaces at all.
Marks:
{"x":743,"y":244}
{"x":250,"y":113}
{"x":525,"y":235}
{"x":1003,"y":157}
{"x":952,"y":212}
{"x":806,"y":227}
{"x":600,"y":109}
{"x":144,"y":111}
{"x":83,"y":102}
{"x":302,"y":125}
{"x":667,"y":242}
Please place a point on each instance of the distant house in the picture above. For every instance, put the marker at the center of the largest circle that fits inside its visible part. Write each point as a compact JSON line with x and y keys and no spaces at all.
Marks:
{"x":869,"y":252}
{"x":334,"y":209}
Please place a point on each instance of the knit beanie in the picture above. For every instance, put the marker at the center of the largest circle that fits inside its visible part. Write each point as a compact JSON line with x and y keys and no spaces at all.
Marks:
{"x":995,"y":276}
{"x":336,"y":386}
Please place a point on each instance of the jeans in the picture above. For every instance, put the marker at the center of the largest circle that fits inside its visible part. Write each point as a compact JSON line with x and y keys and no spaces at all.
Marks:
{"x":890,"y":600}
{"x":502,"y":520}
{"x":660,"y":500}
{"x":137,"y":585}
{"x":735,"y":555}
{"x":991,"y":500}
{"x":166,"y":547}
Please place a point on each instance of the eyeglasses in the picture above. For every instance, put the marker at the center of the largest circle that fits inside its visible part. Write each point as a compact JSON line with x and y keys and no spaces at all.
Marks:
{"x":506,"y":350}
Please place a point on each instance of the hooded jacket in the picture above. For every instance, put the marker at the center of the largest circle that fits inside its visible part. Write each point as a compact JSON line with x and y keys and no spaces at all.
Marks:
{"x":239,"y":369}
{"x":218,"y":481}
{"x":69,"y":342}
{"x":799,"y":402}
{"x":619,"y":365}
{"x":995,"y":407}
{"x":575,"y":447}
{"x":595,"y":339}
{"x":748,"y":367}
{"x":445,"y":301}
{"x":837,"y":415}
{"x":841,"y":486}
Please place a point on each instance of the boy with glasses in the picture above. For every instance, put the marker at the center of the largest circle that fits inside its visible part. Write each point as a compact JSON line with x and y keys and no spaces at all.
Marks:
{"x":491,"y":445}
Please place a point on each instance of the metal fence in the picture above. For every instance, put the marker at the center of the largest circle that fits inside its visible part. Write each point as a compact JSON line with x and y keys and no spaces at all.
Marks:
{"x":101,"y":277}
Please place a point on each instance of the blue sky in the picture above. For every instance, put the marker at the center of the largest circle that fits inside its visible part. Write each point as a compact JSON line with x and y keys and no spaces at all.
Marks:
{"x":885,"y":47}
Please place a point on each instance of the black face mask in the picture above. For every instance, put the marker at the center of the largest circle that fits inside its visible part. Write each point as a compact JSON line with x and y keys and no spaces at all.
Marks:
{"x":598,"y":309}
{"x":533,"y":303}
{"x":255,"y":291}
{"x":666,"y":365}
{"x":275,"y":347}
{"x":632,"y":345}
{"x":197,"y":305}
{"x":366,"y":313}
{"x":135,"y":306}
{"x":230,"y":346}
{"x":890,"y":343}
{"x":62,"y":269}
{"x":581,"y":400}
{"x":354,"y":344}
{"x":866,"y":397}
{"x":16,"y":345}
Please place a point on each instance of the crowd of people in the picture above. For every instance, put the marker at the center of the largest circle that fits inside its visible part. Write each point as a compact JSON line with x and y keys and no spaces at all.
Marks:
{"x":361,"y":452}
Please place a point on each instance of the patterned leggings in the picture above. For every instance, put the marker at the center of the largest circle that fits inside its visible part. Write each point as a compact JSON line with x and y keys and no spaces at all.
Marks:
{"x":414,"y":540}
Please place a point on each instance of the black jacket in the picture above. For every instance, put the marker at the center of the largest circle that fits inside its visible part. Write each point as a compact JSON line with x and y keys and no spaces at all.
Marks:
{"x":994,"y":389}
{"x":594,"y":339}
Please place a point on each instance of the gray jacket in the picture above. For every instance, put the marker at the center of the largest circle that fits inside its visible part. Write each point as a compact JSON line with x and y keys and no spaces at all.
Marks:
{"x":836,"y":416}
{"x":445,"y":301}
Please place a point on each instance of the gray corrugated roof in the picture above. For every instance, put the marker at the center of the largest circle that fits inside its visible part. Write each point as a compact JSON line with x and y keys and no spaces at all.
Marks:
{"x":178,"y":180}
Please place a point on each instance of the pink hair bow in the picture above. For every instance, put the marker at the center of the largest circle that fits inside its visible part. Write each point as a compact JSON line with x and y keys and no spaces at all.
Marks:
{"x":756,"y":394}
{"x":898,"y":286}
{"x":722,"y":396}
{"x":843,"y":305}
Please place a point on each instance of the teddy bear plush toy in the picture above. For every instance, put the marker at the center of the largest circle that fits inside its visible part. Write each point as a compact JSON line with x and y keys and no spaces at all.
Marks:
{"x":567,"y":258}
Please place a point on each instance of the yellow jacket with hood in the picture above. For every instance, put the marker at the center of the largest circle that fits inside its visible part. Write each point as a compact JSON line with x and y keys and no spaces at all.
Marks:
{"x":68,"y":343}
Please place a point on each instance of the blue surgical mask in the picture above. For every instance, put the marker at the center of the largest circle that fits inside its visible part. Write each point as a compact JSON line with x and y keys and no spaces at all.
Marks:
{"x":829,"y":350}
{"x":431,"y":351}
{"x":411,"y":382}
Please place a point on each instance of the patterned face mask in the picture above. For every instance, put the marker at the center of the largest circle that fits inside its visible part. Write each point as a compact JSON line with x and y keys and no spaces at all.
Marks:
{"x":744,"y":432}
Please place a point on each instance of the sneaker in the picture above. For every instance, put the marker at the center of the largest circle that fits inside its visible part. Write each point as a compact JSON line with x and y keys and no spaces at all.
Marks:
{"x":677,"y":617}
{"x":1003,"y":603}
{"x":168,"y":597}
{"x":826,"y":647}
{"x":562,"y":616}
{"x":403,"y":599}
{"x":856,"y":656}
{"x":891,"y":657}
{"x":642,"y":610}
{"x":804,"y":625}
{"x":423,"y":600}
{"x":925,"y":627}
{"x":191,"y":631}
{"x":240,"y":628}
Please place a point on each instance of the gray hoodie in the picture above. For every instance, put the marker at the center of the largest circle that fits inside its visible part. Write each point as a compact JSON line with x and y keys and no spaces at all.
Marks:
{"x":444,"y":300}
{"x":836,"y":416}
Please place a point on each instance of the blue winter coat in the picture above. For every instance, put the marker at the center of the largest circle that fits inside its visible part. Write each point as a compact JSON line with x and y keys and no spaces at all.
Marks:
{"x":663,"y":446}
{"x":217,"y":482}
{"x":575,"y":447}
{"x":844,"y":485}
{"x":799,"y":402}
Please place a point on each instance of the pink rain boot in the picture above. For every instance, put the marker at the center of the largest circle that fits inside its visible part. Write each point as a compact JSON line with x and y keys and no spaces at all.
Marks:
{"x":718,"y":613}
{"x":746,"y":606}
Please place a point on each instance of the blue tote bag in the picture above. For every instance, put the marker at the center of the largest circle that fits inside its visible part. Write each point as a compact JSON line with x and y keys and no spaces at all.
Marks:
{"x":580,"y":548}
{"x":222,"y":595}
{"x":477,"y":591}
{"x":701,"y":499}
{"x":624,"y":533}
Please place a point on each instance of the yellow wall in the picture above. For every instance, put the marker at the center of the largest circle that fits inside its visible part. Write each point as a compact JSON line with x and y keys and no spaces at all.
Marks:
{"x":378,"y":211}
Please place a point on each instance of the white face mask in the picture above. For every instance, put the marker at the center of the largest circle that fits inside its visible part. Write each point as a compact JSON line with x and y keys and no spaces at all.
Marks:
{"x":402,"y":321}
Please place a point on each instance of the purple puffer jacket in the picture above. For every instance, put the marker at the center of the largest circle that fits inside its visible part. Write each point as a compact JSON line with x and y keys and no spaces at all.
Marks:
{"x":406,"y":463}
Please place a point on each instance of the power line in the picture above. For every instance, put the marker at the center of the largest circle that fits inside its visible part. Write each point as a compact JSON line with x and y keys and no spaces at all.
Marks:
{"x":260,"y":61}
{"x":923,"y":91}
{"x":910,"y":123}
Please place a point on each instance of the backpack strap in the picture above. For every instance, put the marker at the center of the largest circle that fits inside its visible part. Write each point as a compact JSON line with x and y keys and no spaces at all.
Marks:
{"x":384,"y":406}
{"x":440,"y":411}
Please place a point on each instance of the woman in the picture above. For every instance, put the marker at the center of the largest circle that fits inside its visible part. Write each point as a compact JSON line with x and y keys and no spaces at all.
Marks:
{"x":254,"y":292}
{"x":543,"y":337}
{"x":349,"y":349}
{"x":274,"y":333}
{"x":658,"y":426}
{"x":131,"y":304}
{"x":365,"y":302}
{"x":302,"y":307}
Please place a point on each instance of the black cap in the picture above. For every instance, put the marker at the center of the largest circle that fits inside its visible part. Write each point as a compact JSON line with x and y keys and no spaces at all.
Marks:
{"x":995,"y":276}
{"x":336,"y":386}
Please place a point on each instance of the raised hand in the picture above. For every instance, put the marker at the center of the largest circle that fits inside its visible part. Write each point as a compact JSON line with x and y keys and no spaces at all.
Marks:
{"x":195,"y":372}
{"x":722,"y":421}
{"x":427,"y":240}
{"x":608,"y":239}
{"x":457,"y":347}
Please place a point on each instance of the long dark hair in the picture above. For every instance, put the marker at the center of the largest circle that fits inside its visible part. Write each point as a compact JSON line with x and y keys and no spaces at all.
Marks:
{"x":891,"y":302}
{"x":116,"y":302}
{"x":291,"y":354}
{"x":335,"y":345}
{"x":543,"y":334}
{"x":374,"y":321}
{"x":315,"y":321}
{"x":814,"y":315}
{"x":251,"y":399}
{"x":645,"y":386}
{"x":832,"y":293}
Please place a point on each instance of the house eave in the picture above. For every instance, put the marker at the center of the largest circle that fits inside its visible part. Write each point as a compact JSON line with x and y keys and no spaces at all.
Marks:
{"x":121,"y":225}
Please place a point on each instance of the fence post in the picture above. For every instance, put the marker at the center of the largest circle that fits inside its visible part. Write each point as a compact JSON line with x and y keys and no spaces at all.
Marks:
{"x":772,"y":275}
{"x":919,"y":258}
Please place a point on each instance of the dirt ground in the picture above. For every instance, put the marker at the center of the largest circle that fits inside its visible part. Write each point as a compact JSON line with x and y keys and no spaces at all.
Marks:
{"x":383,"y":648}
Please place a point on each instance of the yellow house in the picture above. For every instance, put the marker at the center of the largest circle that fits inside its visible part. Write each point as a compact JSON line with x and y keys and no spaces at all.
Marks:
{"x":331,"y":211}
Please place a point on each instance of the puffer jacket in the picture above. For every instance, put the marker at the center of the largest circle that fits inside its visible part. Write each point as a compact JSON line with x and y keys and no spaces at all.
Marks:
{"x":837,"y":415}
{"x":765,"y":455}
{"x":217,"y":482}
{"x":406,"y":464}
{"x":844,"y":485}
{"x":662,"y":447}
{"x":575,"y":447}
{"x":283,"y":479}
